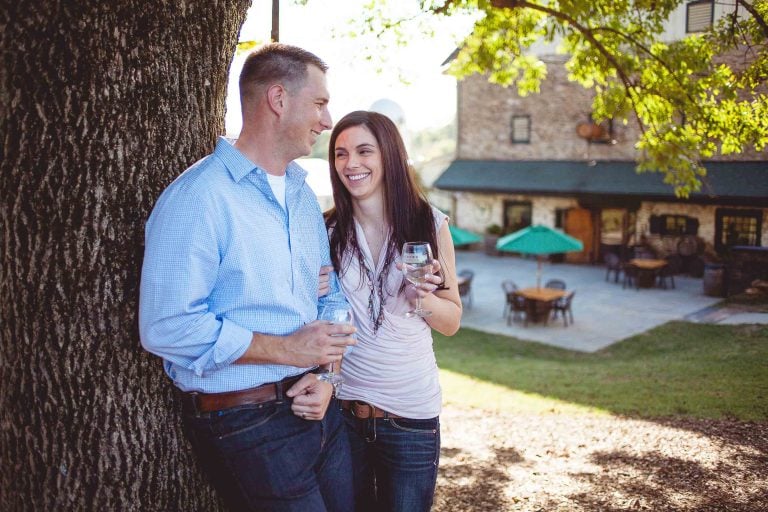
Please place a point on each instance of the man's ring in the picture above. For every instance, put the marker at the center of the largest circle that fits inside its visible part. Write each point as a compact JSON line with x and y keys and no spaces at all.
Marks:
{"x":303,"y":415}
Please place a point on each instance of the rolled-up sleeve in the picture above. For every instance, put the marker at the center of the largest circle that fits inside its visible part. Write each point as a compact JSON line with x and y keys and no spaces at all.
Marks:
{"x":180,"y":267}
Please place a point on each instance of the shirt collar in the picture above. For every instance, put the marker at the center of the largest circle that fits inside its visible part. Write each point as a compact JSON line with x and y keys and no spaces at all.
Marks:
{"x":239,"y":166}
{"x":294,"y":172}
{"x":235,"y":162}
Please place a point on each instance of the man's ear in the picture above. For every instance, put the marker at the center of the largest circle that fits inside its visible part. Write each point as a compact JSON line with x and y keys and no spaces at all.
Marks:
{"x":276,"y":96}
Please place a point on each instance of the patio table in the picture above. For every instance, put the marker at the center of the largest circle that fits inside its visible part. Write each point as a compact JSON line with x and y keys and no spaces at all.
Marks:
{"x":542,"y":294}
{"x":539,"y":302}
{"x":647,"y":270}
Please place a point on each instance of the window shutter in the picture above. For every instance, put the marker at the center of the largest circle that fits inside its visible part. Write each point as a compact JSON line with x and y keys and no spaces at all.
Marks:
{"x":654,"y":224}
{"x":698,"y":16}
{"x":691,"y":226}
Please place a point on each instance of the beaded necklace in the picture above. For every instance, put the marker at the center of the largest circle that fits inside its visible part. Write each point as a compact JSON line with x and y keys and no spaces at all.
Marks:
{"x":376,"y":288}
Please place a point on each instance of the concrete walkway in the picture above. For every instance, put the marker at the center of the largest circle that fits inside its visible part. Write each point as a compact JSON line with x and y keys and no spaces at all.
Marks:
{"x":603,"y":312}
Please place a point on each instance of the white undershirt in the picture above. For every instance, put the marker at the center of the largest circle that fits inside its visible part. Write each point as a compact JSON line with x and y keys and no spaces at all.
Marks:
{"x":278,"y":187}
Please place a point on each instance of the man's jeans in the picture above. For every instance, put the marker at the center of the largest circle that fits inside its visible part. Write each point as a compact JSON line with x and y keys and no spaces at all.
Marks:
{"x":395,"y":462}
{"x":263,"y":457}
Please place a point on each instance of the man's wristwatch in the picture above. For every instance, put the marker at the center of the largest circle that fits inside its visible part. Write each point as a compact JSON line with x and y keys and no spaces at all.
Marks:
{"x":327,"y":375}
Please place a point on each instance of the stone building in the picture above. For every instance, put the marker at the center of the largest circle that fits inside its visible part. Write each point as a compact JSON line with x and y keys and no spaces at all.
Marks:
{"x":540,"y":159}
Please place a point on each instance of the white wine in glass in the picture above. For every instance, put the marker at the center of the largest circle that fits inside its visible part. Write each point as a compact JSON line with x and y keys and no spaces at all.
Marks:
{"x":335,"y":315}
{"x":417,"y":265}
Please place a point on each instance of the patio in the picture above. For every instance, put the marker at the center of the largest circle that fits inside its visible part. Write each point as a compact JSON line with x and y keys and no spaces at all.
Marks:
{"x":603,"y":311}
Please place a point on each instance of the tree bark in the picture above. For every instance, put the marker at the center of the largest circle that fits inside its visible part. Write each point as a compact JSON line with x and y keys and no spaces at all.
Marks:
{"x":102,"y":104}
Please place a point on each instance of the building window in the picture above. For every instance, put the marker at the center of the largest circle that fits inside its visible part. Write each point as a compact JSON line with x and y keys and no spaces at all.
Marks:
{"x":611,"y":226}
{"x":737,"y":227}
{"x":521,"y":129}
{"x":673,"y":225}
{"x":517,"y":215}
{"x":560,"y":215}
{"x":699,"y":16}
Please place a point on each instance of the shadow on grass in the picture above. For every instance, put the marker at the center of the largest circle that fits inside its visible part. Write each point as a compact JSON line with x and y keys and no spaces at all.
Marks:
{"x":751,"y":436}
{"x":471,"y":484}
{"x":623,"y":481}
{"x":656,"y":482}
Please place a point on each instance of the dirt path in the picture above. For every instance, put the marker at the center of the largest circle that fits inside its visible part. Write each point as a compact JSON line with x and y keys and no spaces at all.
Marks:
{"x":497,"y":462}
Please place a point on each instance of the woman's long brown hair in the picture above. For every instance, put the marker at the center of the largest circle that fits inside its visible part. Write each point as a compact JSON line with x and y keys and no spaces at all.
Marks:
{"x":408,"y":212}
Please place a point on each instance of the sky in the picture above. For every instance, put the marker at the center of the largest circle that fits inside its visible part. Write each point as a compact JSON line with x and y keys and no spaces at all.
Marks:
{"x":428,"y":101}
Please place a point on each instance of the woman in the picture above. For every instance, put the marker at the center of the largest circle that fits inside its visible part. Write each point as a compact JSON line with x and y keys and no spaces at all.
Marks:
{"x":391,"y":394}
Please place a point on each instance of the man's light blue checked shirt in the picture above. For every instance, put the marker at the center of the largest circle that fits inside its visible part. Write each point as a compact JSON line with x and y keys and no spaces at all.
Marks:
{"x":223,"y":259}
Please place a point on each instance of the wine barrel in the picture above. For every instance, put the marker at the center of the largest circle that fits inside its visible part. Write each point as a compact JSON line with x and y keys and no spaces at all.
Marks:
{"x":714,"y":279}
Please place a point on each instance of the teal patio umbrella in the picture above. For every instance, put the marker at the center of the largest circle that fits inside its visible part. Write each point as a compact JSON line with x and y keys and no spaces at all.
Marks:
{"x":539,"y":240}
{"x":462,"y":236}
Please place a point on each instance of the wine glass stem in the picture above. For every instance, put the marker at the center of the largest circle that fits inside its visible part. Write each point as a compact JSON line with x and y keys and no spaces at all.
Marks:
{"x":418,"y":303}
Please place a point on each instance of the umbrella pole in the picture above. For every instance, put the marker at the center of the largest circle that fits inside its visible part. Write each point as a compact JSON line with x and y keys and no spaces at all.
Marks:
{"x":538,"y":272}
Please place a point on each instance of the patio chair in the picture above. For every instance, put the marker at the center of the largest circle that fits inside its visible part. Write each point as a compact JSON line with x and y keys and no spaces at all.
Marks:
{"x":518,"y":308}
{"x":508,"y":286}
{"x":667,"y":274}
{"x":644,"y":253}
{"x":562,"y":307}
{"x":557,"y":284}
{"x":612,"y":265}
{"x":465,"y":287}
{"x":514,"y":304}
{"x":630,"y":277}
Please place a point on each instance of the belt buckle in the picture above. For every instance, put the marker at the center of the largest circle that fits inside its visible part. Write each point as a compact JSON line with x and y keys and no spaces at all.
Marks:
{"x":371,"y":410}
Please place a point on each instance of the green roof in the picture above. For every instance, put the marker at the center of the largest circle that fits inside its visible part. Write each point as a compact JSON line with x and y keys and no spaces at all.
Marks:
{"x":741,"y":183}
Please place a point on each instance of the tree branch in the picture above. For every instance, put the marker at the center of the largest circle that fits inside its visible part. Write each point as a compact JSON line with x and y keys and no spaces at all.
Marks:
{"x":588,"y":34}
{"x":648,"y":52}
{"x":756,"y":15}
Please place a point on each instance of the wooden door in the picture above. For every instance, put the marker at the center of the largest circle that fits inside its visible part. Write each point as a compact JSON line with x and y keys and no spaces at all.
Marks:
{"x":579,"y":224}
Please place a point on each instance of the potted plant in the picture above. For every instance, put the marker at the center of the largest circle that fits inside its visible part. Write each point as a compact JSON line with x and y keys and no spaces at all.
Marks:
{"x":492,"y":234}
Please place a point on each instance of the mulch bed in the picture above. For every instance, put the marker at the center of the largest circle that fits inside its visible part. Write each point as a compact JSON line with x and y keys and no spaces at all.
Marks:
{"x":502,"y":462}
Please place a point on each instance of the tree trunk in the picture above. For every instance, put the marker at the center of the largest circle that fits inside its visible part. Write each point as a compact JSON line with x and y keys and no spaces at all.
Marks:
{"x":102,"y":104}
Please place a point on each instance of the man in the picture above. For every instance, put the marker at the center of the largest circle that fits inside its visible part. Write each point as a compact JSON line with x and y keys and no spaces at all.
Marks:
{"x":229,"y":298}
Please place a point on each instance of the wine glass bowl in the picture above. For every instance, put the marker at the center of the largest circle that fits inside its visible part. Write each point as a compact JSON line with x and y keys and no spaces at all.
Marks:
{"x":417,"y":267}
{"x":337,"y":315}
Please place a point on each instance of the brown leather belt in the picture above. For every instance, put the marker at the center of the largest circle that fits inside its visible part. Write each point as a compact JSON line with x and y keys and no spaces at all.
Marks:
{"x":364,"y":410}
{"x":209,"y":402}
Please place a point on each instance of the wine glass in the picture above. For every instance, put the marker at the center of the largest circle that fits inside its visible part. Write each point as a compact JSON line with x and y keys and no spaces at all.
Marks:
{"x":335,"y":315}
{"x":417,"y":265}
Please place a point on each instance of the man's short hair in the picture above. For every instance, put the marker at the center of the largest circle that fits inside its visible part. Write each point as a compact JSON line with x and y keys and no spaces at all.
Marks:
{"x":276,"y":63}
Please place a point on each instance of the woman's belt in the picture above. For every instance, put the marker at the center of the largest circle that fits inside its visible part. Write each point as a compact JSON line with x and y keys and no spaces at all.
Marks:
{"x":364,"y":410}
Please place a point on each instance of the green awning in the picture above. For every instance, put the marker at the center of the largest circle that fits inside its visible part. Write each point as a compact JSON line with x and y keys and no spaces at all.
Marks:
{"x":736,"y":183}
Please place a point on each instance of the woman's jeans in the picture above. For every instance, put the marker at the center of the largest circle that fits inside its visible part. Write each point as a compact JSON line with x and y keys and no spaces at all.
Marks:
{"x":263,"y":457}
{"x":395,"y":462}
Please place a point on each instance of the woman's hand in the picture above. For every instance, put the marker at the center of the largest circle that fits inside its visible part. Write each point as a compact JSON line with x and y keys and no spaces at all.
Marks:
{"x":324,"y":285}
{"x":433,"y":280}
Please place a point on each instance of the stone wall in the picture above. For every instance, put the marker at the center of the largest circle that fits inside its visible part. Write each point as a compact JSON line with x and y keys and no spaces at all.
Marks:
{"x":704,"y":213}
{"x":485,"y":113}
{"x":485,"y":110}
{"x":476,"y":212}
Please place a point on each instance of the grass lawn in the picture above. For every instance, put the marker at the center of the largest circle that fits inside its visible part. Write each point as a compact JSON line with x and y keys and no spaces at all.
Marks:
{"x":680,"y":368}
